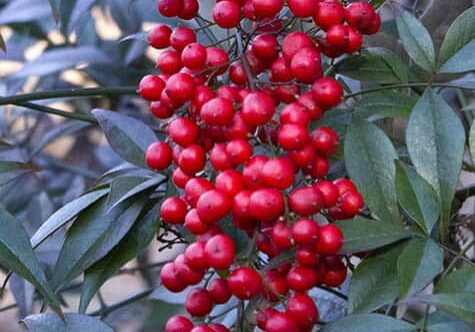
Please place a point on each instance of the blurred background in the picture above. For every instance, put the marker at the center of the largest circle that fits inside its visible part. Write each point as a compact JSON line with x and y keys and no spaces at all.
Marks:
{"x":102,"y":43}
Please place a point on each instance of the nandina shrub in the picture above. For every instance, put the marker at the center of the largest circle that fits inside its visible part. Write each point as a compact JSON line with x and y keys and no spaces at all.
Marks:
{"x":266,"y":173}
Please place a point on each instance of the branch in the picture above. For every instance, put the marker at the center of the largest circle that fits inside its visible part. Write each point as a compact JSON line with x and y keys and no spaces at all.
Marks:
{"x":108,"y":310}
{"x":50,"y":110}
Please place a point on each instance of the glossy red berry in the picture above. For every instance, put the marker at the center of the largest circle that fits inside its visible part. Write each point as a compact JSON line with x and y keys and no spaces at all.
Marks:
{"x":245,"y":283}
{"x":306,"y":256}
{"x":237,"y":73}
{"x":194,"y":223}
{"x":267,"y":8}
{"x":329,"y":13}
{"x":301,"y":278}
{"x":303,"y":311}
{"x":266,"y":204}
{"x":330,"y":240}
{"x":217,"y":112}
{"x":302,"y":8}
{"x":219,"y":290}
{"x":198,"y":302}
{"x":202,"y":328}
{"x":361,"y":15}
{"x":183,"y":131}
{"x":170,"y":8}
{"x":324,"y":140}
{"x":181,"y":37}
{"x":344,"y":185}
{"x":169,"y":62}
{"x":351,"y":203}
{"x":186,"y":273}
{"x":229,"y":182}
{"x":180,"y":88}
{"x":265,"y":47}
{"x":277,"y":173}
{"x":170,"y":279}
{"x":327,"y":93}
{"x":217,"y":327}
{"x":258,"y":108}
{"x":275,"y":285}
{"x":281,"y":322}
{"x":151,"y":87}
{"x":328,"y":191}
{"x":193,"y":56}
{"x":294,"y":42}
{"x":159,"y":36}
{"x":192,"y":159}
{"x":158,"y":156}
{"x":178,"y":324}
{"x":189,"y":10}
{"x":173,"y":210}
{"x":217,"y":60}
{"x":280,"y":71}
{"x":292,"y":136}
{"x":305,"y":231}
{"x":282,"y":235}
{"x":195,"y":256}
{"x":227,"y":14}
{"x":305,"y":201}
{"x":306,"y":65}
{"x":263,"y":316}
{"x":220,"y":251}
{"x":239,"y":151}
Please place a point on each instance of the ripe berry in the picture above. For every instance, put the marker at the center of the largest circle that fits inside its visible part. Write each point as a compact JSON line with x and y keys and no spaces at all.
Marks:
{"x":257,"y":108}
{"x":217,"y":60}
{"x":330,"y":240}
{"x":351,"y":203}
{"x":344,"y":185}
{"x":202,"y":95}
{"x":195,"y":256}
{"x":275,"y":285}
{"x":179,"y":178}
{"x":313,"y":110}
{"x":216,"y":327}
{"x":158,"y":156}
{"x":302,"y":8}
{"x":229,"y":182}
{"x":265,"y":47}
{"x":301,"y":278}
{"x":306,"y":256}
{"x":181,"y":37}
{"x":180,"y":88}
{"x":219,"y":290}
{"x":305,"y":201}
{"x":183,"y":131}
{"x":252,"y":172}
{"x":239,"y":151}
{"x":196,"y":187}
{"x":327,"y":92}
{"x":151,"y":87}
{"x":267,"y":204}
{"x":170,"y":8}
{"x":227,"y":14}
{"x":173,"y":210}
{"x":169,"y":62}
{"x":263,"y":316}
{"x":361,"y":15}
{"x":220,"y":252}
{"x":237,"y":73}
{"x":186,"y":273}
{"x":303,"y":311}
{"x":199,"y":302}
{"x":328,"y":191}
{"x":337,"y":37}
{"x":294,"y":42}
{"x":245,"y":283}
{"x":280,"y":71}
{"x":178,"y":324}
{"x":318,"y":168}
{"x":202,"y":328}
{"x":295,"y":113}
{"x":160,"y":110}
{"x":228,"y":92}
{"x":335,"y":272}
{"x":282,"y":235}
{"x":278,"y":173}
{"x":212,"y":206}
{"x":238,"y":129}
{"x":217,"y":112}
{"x":303,"y":157}
{"x":329,"y":13}
{"x":194,"y":56}
{"x":169,"y":278}
{"x":292,"y":136}
{"x":324,"y":140}
{"x":305,"y":231}
{"x":306,"y":65}
{"x":190,"y":9}
{"x":241,"y":205}
{"x":194,"y":223}
{"x":281,"y":322}
{"x":159,"y":36}
{"x":192,"y":159}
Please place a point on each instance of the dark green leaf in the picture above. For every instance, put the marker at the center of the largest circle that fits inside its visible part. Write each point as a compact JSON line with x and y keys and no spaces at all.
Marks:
{"x":458,"y":281}
{"x":441,"y":322}
{"x":416,"y":40}
{"x":418,"y":265}
{"x":22,"y":11}
{"x":58,"y":59}
{"x":337,"y":119}
{"x":120,"y":186}
{"x":362,"y":234}
{"x":461,"y":305}
{"x":435,"y":141}
{"x":369,"y":157}
{"x":458,"y":36}
{"x":65,"y":214}
{"x":368,"y":323}
{"x":384,"y":104}
{"x":17,"y":255}
{"x":138,"y":189}
{"x":71,"y":323}
{"x":10,"y":170}
{"x":374,"y":283}
{"x":417,"y":197}
{"x":92,"y":236}
{"x":128,"y":137}
{"x":158,"y":315}
{"x":132,"y":244}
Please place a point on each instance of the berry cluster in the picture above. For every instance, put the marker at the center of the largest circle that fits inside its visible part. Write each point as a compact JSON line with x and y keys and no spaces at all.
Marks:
{"x":239,"y":140}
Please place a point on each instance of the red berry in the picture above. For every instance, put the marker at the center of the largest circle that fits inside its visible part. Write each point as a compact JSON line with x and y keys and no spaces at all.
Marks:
{"x":169,"y":62}
{"x":328,"y":191}
{"x":305,"y":231}
{"x":199,"y":302}
{"x":294,"y":42}
{"x":196,"y":187}
{"x":355,"y":40}
{"x":220,"y":251}
{"x":179,"y":178}
{"x":278,"y":173}
{"x":313,"y":110}
{"x":318,"y":168}
{"x":202,"y":328}
{"x":324,"y":140}
{"x":258,"y":108}
{"x":169,"y":278}
{"x":330,"y":240}
{"x":351,"y":203}
{"x":173,"y":210}
{"x":178,"y":324}
{"x":306,"y":65}
{"x":292,"y":136}
{"x":281,"y":322}
{"x":158,"y":156}
{"x":194,"y":56}
{"x":263,"y":316}
{"x":194,"y":223}
{"x":186,"y":273}
{"x":181,"y":37}
{"x":329,"y":13}
{"x":267,"y":204}
{"x":265,"y":47}
{"x":212,"y":206}
{"x":161,"y":110}
{"x":170,"y":8}
{"x":327,"y":92}
{"x":361,"y":15}
{"x":303,"y":311}
{"x":241,"y":205}
{"x":159,"y":36}
{"x":237,"y":73}
{"x":217,"y":112}
{"x":344,"y":185}
{"x":305,"y":201}
{"x":306,"y":256}
{"x":203,"y":94}
{"x":275,"y":285}
{"x":219,"y":158}
{"x":217,"y":59}
{"x":195,"y":256}
{"x":335,"y":273}
{"x":228,"y":92}
{"x":216,"y":327}
{"x":337,"y":37}
{"x":245,"y":283}
{"x":302,"y":8}
{"x":183,"y":131}
{"x":252,"y":172}
{"x":280,"y":71}
{"x":151,"y":87}
{"x":227,"y":14}
{"x":267,"y":8}
{"x":301,"y":278}
{"x":229,"y":182}
{"x":219,"y":290}
{"x":282,"y":235}
{"x":180,"y":88}
{"x":295,"y":113}
{"x":303,"y":157}
{"x":238,"y":129}
{"x":239,"y":151}
{"x":192,"y":159}
{"x":190,"y":9}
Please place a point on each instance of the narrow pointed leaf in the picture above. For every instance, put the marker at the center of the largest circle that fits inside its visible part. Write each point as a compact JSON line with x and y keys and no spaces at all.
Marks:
{"x":387,"y":104}
{"x":458,"y":281}
{"x":368,"y":323}
{"x":146,"y":185}
{"x":71,"y":323}
{"x":461,"y":305}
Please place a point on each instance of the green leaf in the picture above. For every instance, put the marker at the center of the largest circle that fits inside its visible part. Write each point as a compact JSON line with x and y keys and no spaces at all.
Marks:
{"x":461,"y":305}
{"x":92,"y":236}
{"x":10,"y":170}
{"x":337,"y":119}
{"x":384,"y":104}
{"x":362,"y":234}
{"x":129,"y":247}
{"x":416,"y":40}
{"x":435,"y":141}
{"x":374,"y":283}
{"x":64,"y":215}
{"x":368,"y":323}
{"x":417,"y":197}
{"x":17,"y":255}
{"x":462,"y":61}
{"x":128,"y":137}
{"x":135,"y":190}
{"x":458,"y":36}
{"x":458,"y":281}
{"x":471,"y":139}
{"x":120,"y":186}
{"x":369,"y":157}
{"x":441,"y":322}
{"x":71,"y":323}
{"x":418,"y":265}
